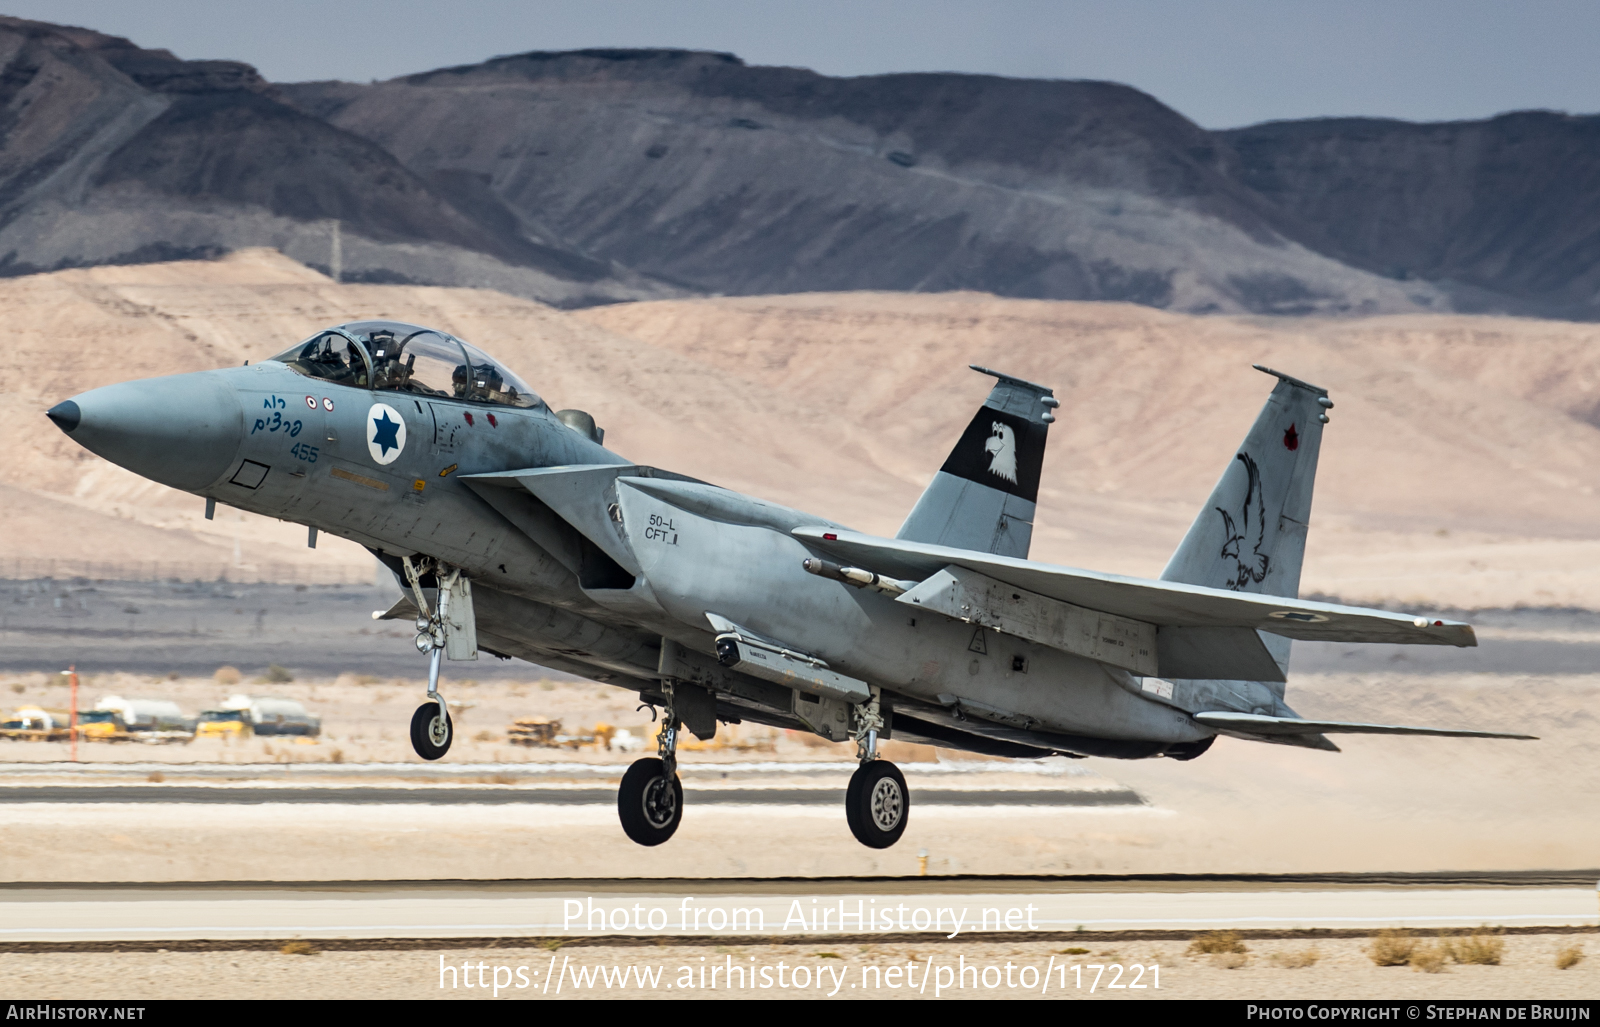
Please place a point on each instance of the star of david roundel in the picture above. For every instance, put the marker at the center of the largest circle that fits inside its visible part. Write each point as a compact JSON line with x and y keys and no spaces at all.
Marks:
{"x":386,"y":433}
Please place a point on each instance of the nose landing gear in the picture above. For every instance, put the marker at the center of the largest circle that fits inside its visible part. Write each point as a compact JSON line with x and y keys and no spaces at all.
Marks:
{"x":877,"y":803}
{"x":431,"y":729}
{"x":650,"y":800}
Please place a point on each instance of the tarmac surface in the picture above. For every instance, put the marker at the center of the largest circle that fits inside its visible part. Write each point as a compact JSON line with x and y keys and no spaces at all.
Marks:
{"x":743,"y":909}
{"x":435,"y":795}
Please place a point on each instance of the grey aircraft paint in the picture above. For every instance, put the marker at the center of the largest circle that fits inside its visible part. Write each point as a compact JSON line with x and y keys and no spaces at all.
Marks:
{"x":582,"y":561}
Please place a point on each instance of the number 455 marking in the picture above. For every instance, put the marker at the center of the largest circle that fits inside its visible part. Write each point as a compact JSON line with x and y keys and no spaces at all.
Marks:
{"x":304,"y":452}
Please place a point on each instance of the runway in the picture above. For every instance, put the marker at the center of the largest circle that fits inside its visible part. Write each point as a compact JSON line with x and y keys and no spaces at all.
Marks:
{"x":793,"y":908}
{"x":513,"y":795}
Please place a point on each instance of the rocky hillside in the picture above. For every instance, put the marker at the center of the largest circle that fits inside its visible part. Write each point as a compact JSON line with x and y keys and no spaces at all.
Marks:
{"x":110,"y":153}
{"x":1504,"y":213}
{"x":723,"y":178}
{"x":590,"y":176}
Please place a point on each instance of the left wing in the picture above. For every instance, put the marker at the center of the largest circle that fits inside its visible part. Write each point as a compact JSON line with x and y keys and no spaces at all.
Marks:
{"x":1254,"y":724}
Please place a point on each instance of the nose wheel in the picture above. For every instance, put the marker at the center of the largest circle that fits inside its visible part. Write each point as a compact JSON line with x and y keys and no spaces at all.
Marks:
{"x":650,"y":800}
{"x":431,"y":731}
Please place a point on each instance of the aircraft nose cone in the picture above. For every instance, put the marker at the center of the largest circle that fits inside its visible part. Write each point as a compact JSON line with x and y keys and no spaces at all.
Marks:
{"x":183,"y":430}
{"x":66,"y":415}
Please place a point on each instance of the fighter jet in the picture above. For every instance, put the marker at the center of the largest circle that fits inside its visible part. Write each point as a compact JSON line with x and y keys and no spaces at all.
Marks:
{"x":515,"y":532}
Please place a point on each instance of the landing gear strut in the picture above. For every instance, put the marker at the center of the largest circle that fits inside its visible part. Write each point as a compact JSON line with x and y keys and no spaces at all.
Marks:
{"x":431,"y":729}
{"x":650,"y":801}
{"x":877,"y":804}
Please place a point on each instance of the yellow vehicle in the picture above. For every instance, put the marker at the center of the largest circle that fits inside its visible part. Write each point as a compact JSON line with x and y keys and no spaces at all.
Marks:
{"x":101,"y":726}
{"x":35,"y":724}
{"x":224,"y":724}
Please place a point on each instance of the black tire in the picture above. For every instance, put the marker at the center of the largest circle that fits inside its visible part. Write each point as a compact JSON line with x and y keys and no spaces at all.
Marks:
{"x":649,"y":805}
{"x":424,"y":736}
{"x":877,"y":804}
{"x":852,"y":802}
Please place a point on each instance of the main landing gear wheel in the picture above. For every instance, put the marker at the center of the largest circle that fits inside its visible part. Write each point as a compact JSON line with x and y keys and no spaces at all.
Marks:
{"x":431,"y":733}
{"x":877,"y":804}
{"x":650,"y":803}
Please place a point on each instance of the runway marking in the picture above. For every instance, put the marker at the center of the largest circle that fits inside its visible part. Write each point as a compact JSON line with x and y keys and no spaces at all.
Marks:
{"x":397,"y":913}
{"x":541,"y":796}
{"x":1544,"y":919}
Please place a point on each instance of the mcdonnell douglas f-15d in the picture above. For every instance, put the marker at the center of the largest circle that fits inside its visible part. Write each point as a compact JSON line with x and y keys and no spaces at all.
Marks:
{"x":513,"y":530}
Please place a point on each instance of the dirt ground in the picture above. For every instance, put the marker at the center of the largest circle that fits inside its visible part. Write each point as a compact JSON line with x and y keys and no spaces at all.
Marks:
{"x":1383,"y":804}
{"x":1339,"y":968}
{"x":1439,"y":481}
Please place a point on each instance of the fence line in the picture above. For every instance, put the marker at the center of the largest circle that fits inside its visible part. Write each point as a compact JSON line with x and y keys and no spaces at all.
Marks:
{"x":32,"y":568}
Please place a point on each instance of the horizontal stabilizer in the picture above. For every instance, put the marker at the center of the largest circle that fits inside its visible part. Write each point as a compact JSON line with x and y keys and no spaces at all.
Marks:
{"x":1254,"y":724}
{"x":1162,"y":603}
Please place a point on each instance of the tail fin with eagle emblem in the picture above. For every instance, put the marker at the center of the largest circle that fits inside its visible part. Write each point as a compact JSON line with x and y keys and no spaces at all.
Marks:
{"x":983,"y":497}
{"x":1250,"y":536}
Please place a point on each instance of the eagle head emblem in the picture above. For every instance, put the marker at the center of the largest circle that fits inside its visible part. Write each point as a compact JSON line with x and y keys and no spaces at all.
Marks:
{"x":1001,"y":446}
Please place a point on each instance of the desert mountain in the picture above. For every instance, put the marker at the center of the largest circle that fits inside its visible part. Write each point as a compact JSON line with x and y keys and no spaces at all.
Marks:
{"x":1460,"y":467}
{"x":110,"y":154}
{"x":593,"y":176}
{"x":1504,"y":214}
{"x":698,"y":169}
{"x":724,"y":178}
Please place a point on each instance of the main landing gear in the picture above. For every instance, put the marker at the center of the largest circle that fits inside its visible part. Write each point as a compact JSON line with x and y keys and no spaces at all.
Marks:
{"x":877,"y":804}
{"x":431,"y":729}
{"x":650,"y":801}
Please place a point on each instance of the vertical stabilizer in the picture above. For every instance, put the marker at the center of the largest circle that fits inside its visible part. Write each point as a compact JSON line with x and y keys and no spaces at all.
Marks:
{"x":983,"y":497}
{"x":1251,"y":534}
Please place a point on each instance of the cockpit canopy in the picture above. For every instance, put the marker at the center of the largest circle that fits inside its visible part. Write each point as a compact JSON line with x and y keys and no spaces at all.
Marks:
{"x":399,"y":357}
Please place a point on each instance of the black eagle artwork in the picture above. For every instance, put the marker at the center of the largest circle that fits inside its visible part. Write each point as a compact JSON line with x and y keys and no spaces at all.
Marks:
{"x":1251,"y":569}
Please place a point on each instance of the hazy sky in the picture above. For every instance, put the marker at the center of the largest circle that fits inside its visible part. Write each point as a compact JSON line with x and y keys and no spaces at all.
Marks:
{"x":1221,"y":62}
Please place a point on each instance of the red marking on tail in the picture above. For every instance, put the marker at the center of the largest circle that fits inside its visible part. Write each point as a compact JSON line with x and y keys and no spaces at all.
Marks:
{"x":1291,"y":440}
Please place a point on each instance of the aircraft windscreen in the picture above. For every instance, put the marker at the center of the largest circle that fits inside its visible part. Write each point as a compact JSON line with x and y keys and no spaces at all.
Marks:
{"x":330,"y":356}
{"x":408,"y":358}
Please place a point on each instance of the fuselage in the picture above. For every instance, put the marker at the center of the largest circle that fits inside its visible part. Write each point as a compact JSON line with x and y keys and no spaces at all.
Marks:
{"x":388,"y":470}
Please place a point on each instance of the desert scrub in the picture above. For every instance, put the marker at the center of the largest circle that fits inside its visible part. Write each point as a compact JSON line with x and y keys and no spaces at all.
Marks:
{"x":1296,"y":960}
{"x":1229,"y":960}
{"x":1430,"y":959}
{"x":1392,"y":948}
{"x":1215,"y":942}
{"x":299,"y":948}
{"x":1482,"y":947}
{"x":1569,"y":957}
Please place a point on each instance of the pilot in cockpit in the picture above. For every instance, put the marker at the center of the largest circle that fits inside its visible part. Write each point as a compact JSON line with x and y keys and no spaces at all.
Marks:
{"x":321,"y":359}
{"x":388,"y":371}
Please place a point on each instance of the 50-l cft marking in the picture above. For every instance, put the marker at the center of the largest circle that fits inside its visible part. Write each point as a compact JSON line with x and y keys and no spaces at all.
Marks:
{"x":661,"y":529}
